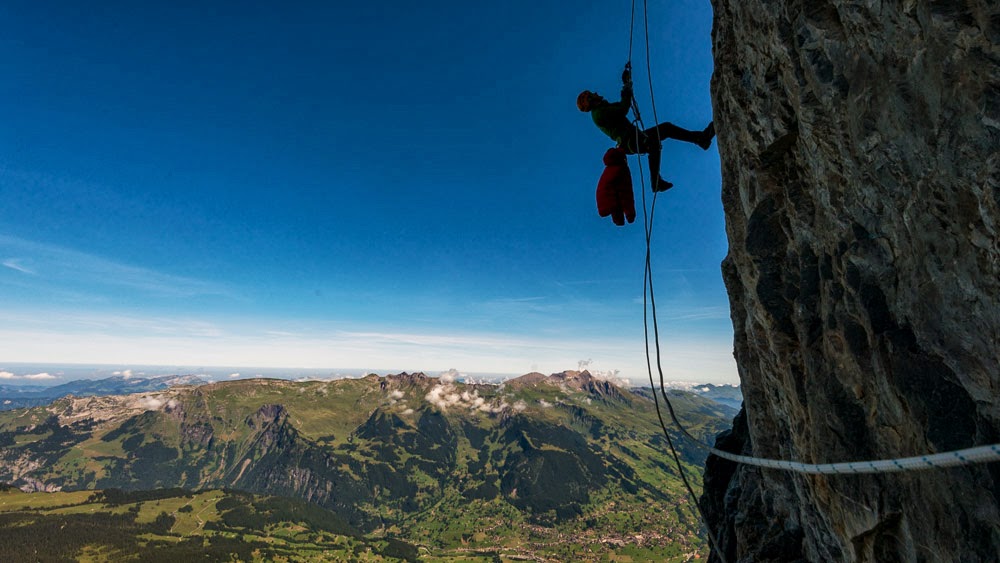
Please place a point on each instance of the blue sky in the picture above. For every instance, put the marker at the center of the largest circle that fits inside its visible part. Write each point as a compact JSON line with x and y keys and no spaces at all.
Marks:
{"x":392,"y":186}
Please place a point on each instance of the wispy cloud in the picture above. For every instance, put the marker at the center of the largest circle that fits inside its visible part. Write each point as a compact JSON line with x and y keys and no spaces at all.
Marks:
{"x":15,"y":264}
{"x":518,"y":305}
{"x":698,"y":314}
{"x":83,"y":322}
{"x":556,"y":309}
{"x":679,"y":310}
{"x":518,"y":300}
{"x":590,"y":282}
{"x":61,"y":265}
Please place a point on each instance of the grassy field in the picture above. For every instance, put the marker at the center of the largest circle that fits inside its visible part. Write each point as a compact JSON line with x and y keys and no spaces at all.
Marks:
{"x":202,"y":523}
{"x":173,"y":526}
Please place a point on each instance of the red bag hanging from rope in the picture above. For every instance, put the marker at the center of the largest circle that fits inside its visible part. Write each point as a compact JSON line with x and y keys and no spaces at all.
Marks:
{"x":614,"y":189}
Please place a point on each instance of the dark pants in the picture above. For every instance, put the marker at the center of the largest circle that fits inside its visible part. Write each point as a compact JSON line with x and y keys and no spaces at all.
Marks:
{"x":649,"y":143}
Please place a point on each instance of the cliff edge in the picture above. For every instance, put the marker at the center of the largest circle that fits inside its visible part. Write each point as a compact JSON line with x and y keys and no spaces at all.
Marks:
{"x":860,"y":146}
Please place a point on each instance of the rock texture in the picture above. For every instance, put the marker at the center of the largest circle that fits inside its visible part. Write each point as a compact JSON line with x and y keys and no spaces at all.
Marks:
{"x":860,"y":143}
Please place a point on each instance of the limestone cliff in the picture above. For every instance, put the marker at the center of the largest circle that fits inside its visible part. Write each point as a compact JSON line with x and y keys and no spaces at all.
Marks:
{"x":860,"y":143}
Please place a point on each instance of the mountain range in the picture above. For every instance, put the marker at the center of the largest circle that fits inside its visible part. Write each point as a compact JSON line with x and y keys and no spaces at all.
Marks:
{"x":564,"y":465}
{"x":21,"y":396}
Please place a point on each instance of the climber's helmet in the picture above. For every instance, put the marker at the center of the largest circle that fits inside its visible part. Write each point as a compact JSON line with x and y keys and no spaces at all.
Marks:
{"x":586,"y":100}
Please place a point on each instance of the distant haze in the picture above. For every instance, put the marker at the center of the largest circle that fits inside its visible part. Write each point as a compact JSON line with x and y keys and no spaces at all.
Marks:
{"x":46,"y":375}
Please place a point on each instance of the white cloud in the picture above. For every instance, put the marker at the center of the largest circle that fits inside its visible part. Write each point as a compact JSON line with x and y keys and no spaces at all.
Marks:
{"x":42,"y":375}
{"x":447,"y":396}
{"x":395,"y":396}
{"x":234,"y":375}
{"x":150,"y":403}
{"x":32,"y":376}
{"x":545,"y":404}
{"x":450,"y":376}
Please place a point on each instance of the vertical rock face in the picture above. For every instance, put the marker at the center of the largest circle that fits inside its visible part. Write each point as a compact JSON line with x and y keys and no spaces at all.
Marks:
{"x":860,"y":143}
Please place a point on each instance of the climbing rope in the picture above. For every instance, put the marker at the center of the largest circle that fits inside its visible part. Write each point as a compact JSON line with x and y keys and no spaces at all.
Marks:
{"x":968,"y":456}
{"x":631,"y":27}
{"x":638,"y":125}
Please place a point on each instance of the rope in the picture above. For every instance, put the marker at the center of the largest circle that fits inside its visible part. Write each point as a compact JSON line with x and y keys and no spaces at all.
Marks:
{"x":631,"y":26}
{"x":968,"y":456}
{"x":697,"y":511}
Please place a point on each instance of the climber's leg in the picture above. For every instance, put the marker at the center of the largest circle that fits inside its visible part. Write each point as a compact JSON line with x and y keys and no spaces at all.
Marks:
{"x":653,"y":149}
{"x":667,"y":130}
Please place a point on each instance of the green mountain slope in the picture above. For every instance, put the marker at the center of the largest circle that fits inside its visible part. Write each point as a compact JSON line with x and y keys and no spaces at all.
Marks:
{"x":564,"y":465}
{"x":175,"y":525}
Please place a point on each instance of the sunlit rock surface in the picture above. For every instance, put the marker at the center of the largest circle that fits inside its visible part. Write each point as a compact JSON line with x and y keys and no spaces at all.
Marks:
{"x":860,"y":146}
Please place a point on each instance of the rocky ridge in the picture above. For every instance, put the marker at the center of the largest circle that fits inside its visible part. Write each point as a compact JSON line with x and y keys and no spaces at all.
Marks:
{"x":571,"y":380}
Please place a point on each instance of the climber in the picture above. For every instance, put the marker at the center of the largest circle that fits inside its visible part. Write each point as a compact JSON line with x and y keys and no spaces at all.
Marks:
{"x":612,"y":119}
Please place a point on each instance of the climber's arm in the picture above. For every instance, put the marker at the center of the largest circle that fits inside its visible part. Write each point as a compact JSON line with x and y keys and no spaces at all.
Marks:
{"x":627,"y":87}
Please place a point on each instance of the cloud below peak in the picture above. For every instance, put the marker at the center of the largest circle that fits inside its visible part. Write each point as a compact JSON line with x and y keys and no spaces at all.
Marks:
{"x":447,"y":396}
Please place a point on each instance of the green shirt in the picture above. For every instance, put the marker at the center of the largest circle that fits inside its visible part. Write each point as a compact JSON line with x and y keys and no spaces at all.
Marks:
{"x":612,"y":118}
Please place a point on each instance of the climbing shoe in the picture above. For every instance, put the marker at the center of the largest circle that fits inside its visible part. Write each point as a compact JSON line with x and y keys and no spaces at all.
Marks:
{"x":662,"y":185}
{"x":706,"y":136}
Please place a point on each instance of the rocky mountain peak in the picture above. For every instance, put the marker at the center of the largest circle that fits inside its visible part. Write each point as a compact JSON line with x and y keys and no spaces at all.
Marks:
{"x":403,"y":380}
{"x":582,"y":381}
{"x":526,"y":380}
{"x":267,"y":415}
{"x":572,"y":378}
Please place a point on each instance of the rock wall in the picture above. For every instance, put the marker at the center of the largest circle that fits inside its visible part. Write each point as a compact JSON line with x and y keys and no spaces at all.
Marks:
{"x":860,"y":143}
